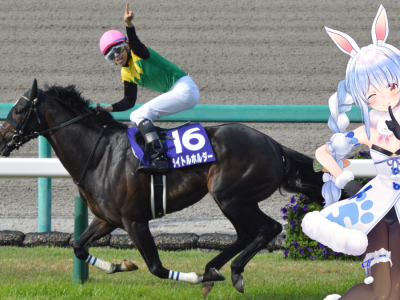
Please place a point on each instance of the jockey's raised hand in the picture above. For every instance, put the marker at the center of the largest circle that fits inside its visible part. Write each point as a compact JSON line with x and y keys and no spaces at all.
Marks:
{"x":393,"y":125}
{"x":128,"y":16}
{"x":157,"y":74}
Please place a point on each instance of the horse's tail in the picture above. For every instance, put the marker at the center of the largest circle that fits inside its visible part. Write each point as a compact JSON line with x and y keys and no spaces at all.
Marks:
{"x":300,"y":176}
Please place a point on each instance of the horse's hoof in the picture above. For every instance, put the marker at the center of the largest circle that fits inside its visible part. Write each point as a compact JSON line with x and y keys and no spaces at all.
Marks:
{"x":126,"y":266}
{"x":206,"y":288}
{"x":238,"y":283}
{"x":215,"y":275}
{"x":333,"y":297}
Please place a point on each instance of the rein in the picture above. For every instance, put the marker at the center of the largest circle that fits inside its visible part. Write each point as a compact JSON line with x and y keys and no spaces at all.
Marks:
{"x":91,"y":155}
{"x":18,"y":138}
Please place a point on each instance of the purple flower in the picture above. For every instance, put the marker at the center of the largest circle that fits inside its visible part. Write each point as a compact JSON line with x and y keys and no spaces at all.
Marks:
{"x":298,"y":219}
{"x":296,"y":207}
{"x":295,"y":244}
{"x":305,"y":208}
{"x":292,"y":200}
{"x":320,"y":246}
{"x":309,"y":249}
{"x":312,"y":257}
{"x":301,"y":251}
{"x":287,"y":205}
{"x":284,"y":210}
{"x":284,"y":217}
{"x":286,"y":252}
{"x":284,"y":236}
{"x":292,"y":223}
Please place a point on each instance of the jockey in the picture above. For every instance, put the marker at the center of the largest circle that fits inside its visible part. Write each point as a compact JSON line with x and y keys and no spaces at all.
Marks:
{"x":143,"y":66}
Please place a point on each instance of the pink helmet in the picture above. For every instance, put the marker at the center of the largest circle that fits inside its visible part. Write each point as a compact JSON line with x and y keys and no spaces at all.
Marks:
{"x":110,"y":38}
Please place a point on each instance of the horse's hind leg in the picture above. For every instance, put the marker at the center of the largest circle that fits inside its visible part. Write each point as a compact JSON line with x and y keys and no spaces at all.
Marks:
{"x":96,"y":230}
{"x":266,"y":227}
{"x":245,"y":236}
{"x":140,"y":233}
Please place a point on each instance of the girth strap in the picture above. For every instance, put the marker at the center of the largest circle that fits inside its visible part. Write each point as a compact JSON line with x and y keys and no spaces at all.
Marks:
{"x":158,"y":195}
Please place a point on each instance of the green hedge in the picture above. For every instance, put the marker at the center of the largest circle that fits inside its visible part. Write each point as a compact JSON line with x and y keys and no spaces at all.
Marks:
{"x":299,"y":245}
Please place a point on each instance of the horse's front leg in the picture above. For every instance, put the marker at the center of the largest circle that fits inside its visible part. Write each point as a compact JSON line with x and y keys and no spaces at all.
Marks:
{"x":96,"y":230}
{"x":141,"y":236}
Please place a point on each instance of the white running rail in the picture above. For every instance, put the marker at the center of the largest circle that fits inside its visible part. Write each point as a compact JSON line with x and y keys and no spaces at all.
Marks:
{"x":52,"y":167}
{"x":32,"y":168}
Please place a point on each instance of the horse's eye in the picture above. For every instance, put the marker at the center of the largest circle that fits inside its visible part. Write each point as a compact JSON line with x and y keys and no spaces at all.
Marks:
{"x":18,"y":111}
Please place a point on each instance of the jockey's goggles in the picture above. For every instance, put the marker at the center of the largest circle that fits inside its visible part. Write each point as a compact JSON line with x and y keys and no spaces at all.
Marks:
{"x":110,"y":56}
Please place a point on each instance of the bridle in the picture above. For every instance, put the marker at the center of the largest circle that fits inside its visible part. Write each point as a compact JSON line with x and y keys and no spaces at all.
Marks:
{"x":19,"y":137}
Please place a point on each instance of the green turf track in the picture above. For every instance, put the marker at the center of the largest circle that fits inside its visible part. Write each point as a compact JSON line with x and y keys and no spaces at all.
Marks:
{"x":46,"y":273}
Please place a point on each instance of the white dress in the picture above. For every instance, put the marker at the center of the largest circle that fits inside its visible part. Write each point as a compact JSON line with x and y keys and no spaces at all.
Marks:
{"x":343,"y":226}
{"x":358,"y":215}
{"x":364,"y":210}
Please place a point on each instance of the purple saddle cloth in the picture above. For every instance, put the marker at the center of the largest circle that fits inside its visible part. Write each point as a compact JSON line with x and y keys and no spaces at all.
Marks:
{"x":190,"y":146}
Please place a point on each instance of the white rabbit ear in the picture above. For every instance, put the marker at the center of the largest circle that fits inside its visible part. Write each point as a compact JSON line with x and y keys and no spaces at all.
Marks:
{"x":380,"y":27}
{"x":343,"y":41}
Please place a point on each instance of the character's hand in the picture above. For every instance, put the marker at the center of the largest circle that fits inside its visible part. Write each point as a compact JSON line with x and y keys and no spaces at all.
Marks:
{"x":128,"y":16}
{"x":352,"y":187}
{"x":393,"y":125}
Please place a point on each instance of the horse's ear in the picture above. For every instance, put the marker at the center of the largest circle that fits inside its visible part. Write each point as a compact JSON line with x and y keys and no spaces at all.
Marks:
{"x":343,"y":41}
{"x":33,"y":90}
{"x":380,"y":26}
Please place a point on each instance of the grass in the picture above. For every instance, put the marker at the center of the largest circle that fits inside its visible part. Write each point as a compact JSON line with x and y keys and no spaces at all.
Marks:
{"x":46,"y":273}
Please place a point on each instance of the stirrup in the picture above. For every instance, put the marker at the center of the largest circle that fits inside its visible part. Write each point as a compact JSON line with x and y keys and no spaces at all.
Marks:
{"x":371,"y":259}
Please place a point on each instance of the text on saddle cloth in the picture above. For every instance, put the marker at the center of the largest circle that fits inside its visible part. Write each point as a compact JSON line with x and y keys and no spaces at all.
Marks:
{"x":190,"y":146}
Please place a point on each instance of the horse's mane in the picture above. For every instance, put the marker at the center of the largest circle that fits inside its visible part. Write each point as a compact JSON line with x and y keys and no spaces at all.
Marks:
{"x":74,"y":100}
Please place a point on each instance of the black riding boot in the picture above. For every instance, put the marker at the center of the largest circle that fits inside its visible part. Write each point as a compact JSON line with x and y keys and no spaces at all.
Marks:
{"x":153,"y":147}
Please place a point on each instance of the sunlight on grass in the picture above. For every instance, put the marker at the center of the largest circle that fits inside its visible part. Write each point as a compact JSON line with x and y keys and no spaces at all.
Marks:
{"x":46,"y":273}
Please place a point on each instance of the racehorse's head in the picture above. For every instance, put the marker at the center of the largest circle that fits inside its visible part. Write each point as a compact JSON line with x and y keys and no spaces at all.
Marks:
{"x":23,"y":121}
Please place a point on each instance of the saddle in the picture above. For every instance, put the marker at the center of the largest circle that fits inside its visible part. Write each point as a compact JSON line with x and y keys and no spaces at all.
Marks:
{"x":158,"y":201}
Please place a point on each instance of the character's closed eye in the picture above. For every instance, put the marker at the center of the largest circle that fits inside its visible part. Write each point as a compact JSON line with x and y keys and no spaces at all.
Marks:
{"x":393,"y":87}
{"x":370,"y":96}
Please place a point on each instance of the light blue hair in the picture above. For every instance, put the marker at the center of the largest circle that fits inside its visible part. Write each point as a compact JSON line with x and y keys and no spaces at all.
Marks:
{"x":330,"y":191}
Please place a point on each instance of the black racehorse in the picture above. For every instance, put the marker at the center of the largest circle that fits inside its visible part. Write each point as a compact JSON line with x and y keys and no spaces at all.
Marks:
{"x":249,"y":167}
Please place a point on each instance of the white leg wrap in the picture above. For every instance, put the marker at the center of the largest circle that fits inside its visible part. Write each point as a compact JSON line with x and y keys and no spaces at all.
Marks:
{"x":102,"y":265}
{"x":371,"y":259}
{"x":332,"y":297}
{"x":185,"y":277}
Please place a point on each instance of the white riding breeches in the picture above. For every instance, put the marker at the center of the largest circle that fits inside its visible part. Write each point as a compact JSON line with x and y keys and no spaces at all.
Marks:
{"x":183,"y":95}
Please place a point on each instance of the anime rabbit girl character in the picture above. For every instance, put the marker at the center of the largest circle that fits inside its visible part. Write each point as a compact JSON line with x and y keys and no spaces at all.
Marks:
{"x":366,"y":223}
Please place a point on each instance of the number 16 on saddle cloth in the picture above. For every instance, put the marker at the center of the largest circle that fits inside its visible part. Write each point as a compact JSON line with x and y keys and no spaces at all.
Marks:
{"x":189,"y":146}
